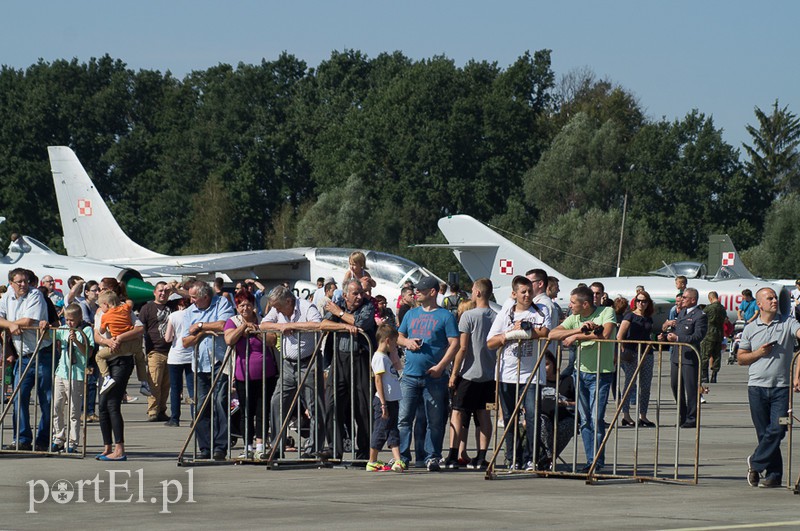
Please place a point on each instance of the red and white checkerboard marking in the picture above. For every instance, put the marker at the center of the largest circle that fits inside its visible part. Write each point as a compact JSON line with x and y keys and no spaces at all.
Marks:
{"x":728,"y":259}
{"x":84,"y":207}
{"x":506,"y":267}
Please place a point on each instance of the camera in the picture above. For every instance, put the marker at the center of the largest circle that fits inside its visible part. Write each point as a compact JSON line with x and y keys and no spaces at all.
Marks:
{"x":526,"y":325}
{"x":591,"y":328}
{"x":669,"y":330}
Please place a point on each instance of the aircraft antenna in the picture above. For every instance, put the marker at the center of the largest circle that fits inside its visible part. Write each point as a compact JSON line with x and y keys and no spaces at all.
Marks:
{"x":556,"y":249}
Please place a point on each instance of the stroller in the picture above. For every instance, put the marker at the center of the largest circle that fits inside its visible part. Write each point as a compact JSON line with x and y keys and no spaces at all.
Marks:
{"x":733,"y":342}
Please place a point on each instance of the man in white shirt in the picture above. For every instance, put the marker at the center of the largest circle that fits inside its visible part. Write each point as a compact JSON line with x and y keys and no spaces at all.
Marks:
{"x":296,"y":321}
{"x":24,"y":306}
{"x":518,"y":358}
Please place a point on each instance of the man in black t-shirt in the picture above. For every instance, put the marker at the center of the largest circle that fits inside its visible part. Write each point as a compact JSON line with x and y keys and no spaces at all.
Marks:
{"x":153,"y":316}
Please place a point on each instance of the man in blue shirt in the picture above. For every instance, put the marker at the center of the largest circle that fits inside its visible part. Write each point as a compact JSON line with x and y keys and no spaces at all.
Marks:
{"x":430,"y":336}
{"x":748,"y":309}
{"x":208,"y":314}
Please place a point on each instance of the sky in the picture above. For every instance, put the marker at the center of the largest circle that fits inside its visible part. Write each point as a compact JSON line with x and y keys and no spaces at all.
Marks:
{"x":723,"y":58}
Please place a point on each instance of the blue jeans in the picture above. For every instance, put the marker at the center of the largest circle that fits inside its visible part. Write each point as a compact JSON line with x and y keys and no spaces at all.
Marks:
{"x":221,"y":405}
{"x":569,"y":370}
{"x":176,"y":376}
{"x":420,"y":435}
{"x":432,"y":392}
{"x":508,"y":400}
{"x":767,"y":405}
{"x":592,"y":389}
{"x":44,"y":392}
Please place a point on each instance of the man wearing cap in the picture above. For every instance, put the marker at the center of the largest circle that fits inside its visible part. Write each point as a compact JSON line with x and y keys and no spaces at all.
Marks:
{"x":154,"y":316}
{"x":430,"y":336}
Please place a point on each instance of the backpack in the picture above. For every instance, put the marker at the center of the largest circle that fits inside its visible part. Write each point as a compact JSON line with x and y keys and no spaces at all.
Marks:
{"x":451,"y":302}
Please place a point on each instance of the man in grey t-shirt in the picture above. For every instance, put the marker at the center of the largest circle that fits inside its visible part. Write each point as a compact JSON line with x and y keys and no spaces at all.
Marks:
{"x":766,"y":347}
{"x":472,"y":379}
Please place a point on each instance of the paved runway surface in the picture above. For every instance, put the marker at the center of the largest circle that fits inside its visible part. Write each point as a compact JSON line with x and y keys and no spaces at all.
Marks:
{"x":246,"y":497}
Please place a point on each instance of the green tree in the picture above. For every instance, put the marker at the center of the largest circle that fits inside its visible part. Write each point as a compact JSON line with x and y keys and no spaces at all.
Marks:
{"x":211,"y":223}
{"x":337,"y":219}
{"x":579,"y":91}
{"x":774,"y":158}
{"x":580,"y":171}
{"x":778,"y":254}
{"x":680,"y":181}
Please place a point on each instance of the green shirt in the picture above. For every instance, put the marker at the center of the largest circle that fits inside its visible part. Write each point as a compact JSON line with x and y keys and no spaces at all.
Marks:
{"x":716,"y":318}
{"x":587,"y":348}
{"x":65,"y":369}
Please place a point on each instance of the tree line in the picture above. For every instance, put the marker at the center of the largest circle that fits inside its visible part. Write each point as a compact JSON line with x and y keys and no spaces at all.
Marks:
{"x":371,"y":152}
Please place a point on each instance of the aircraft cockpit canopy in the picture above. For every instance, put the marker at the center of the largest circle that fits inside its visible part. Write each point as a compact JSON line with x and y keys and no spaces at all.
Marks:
{"x":388,"y":267}
{"x":732,"y":273}
{"x":27,"y":244}
{"x":687,"y":269}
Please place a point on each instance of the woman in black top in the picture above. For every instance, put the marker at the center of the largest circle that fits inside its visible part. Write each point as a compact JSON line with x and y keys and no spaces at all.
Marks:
{"x":637,"y":326}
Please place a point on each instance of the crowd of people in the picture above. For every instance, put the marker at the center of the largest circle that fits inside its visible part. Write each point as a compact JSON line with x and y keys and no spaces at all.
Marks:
{"x":403,"y":376}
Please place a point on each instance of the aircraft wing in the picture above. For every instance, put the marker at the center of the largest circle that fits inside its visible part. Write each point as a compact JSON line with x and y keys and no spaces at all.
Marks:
{"x":204,"y":264}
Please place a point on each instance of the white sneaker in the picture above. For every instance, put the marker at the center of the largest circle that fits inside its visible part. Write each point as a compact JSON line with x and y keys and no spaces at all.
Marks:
{"x":145,"y":389}
{"x":702,"y":399}
{"x":108,"y":383}
{"x":529,"y":466}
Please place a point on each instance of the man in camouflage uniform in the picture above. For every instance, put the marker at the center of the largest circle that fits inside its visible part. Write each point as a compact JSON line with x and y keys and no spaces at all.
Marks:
{"x":711,"y":345}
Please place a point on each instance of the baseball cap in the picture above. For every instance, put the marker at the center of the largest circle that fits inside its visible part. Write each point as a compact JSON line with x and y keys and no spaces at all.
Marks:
{"x":427,"y":283}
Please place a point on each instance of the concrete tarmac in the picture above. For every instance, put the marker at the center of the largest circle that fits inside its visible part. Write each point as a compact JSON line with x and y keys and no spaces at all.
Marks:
{"x":248,"y":496}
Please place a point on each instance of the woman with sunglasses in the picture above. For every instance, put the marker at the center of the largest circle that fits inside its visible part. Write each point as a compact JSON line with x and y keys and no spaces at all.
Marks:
{"x":637,"y":326}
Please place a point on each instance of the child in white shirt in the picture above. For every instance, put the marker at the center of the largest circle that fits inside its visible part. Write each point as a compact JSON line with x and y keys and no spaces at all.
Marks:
{"x":386,"y":403}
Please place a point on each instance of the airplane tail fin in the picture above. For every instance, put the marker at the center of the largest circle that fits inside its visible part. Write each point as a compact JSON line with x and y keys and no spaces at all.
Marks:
{"x":90,"y":229}
{"x":484,"y":253}
{"x":723,"y":255}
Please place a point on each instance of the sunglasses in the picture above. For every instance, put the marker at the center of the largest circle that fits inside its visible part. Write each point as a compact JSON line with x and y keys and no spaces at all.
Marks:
{"x":644,"y":301}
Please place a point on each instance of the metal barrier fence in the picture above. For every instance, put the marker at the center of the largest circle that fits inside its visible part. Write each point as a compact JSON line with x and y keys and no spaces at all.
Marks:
{"x":34,"y":373}
{"x":209,"y":403}
{"x":789,"y":421}
{"x":318,"y":401}
{"x":635,"y":468}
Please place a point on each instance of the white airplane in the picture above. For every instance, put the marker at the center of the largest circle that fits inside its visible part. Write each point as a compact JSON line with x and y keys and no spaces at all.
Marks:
{"x":91,"y":231}
{"x":484,"y":253}
{"x":30,"y":253}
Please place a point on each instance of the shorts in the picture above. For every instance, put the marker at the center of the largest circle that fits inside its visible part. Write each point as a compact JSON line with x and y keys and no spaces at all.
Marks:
{"x":472,"y":396}
{"x":384,"y":431}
